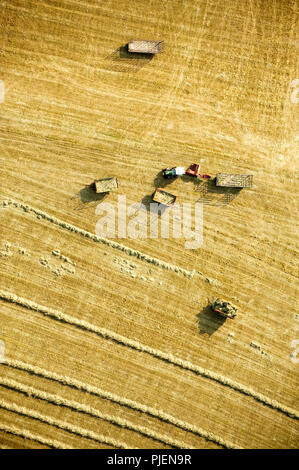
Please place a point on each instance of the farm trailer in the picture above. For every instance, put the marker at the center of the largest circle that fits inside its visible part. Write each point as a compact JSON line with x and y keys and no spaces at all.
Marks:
{"x":105,"y":185}
{"x":163,"y":197}
{"x":144,"y":46}
{"x":234,"y":181}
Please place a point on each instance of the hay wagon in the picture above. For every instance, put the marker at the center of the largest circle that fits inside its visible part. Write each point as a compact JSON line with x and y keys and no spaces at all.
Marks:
{"x":163,"y":197}
{"x":105,"y":185}
{"x":234,"y":181}
{"x":144,"y":46}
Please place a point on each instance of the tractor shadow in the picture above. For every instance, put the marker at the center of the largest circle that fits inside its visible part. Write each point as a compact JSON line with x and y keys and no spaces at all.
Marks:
{"x":213,"y":195}
{"x":208,"y":321}
{"x":124,"y":61}
{"x":161,"y":182}
{"x":191,"y":179}
{"x":187,"y":179}
{"x":88,"y":197}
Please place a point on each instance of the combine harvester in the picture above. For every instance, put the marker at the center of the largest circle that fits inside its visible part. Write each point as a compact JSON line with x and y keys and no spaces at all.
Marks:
{"x":163,"y":197}
{"x":145,"y":46}
{"x":225,"y":309}
{"x":105,"y":185}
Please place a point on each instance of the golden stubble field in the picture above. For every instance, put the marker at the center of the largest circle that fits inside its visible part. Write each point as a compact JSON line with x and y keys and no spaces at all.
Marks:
{"x":111,"y":346}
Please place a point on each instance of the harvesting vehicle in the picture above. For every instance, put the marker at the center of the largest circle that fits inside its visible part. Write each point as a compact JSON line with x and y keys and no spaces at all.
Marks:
{"x":193,"y":170}
{"x":173,"y":172}
{"x":224,"y":308}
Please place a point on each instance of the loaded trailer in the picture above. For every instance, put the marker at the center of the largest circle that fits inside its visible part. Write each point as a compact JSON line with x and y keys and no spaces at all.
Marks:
{"x":164,"y":197}
{"x":145,"y":46}
{"x":173,"y":172}
{"x":233,"y":181}
{"x":105,"y":185}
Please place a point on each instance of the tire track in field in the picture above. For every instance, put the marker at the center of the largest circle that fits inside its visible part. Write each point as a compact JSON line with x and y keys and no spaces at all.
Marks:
{"x":95,"y":238}
{"x":86,"y":409}
{"x":21,"y":410}
{"x":33,"y":437}
{"x":136,"y":345}
{"x":176,"y":79}
{"x":162,"y":105}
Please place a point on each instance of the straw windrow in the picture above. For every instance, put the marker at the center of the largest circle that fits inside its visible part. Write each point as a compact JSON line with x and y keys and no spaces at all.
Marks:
{"x":97,"y":239}
{"x":167,"y":357}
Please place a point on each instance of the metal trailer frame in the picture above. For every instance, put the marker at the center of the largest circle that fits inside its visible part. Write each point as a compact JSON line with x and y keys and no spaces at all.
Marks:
{"x":145,"y":46}
{"x":108,"y":187}
{"x":234,"y":181}
{"x":162,"y":191}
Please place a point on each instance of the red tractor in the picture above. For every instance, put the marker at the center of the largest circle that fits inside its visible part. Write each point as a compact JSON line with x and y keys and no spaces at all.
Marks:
{"x":193,"y":170}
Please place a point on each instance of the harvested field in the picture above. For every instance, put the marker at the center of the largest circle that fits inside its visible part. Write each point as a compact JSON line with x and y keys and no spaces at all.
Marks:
{"x":110,"y":342}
